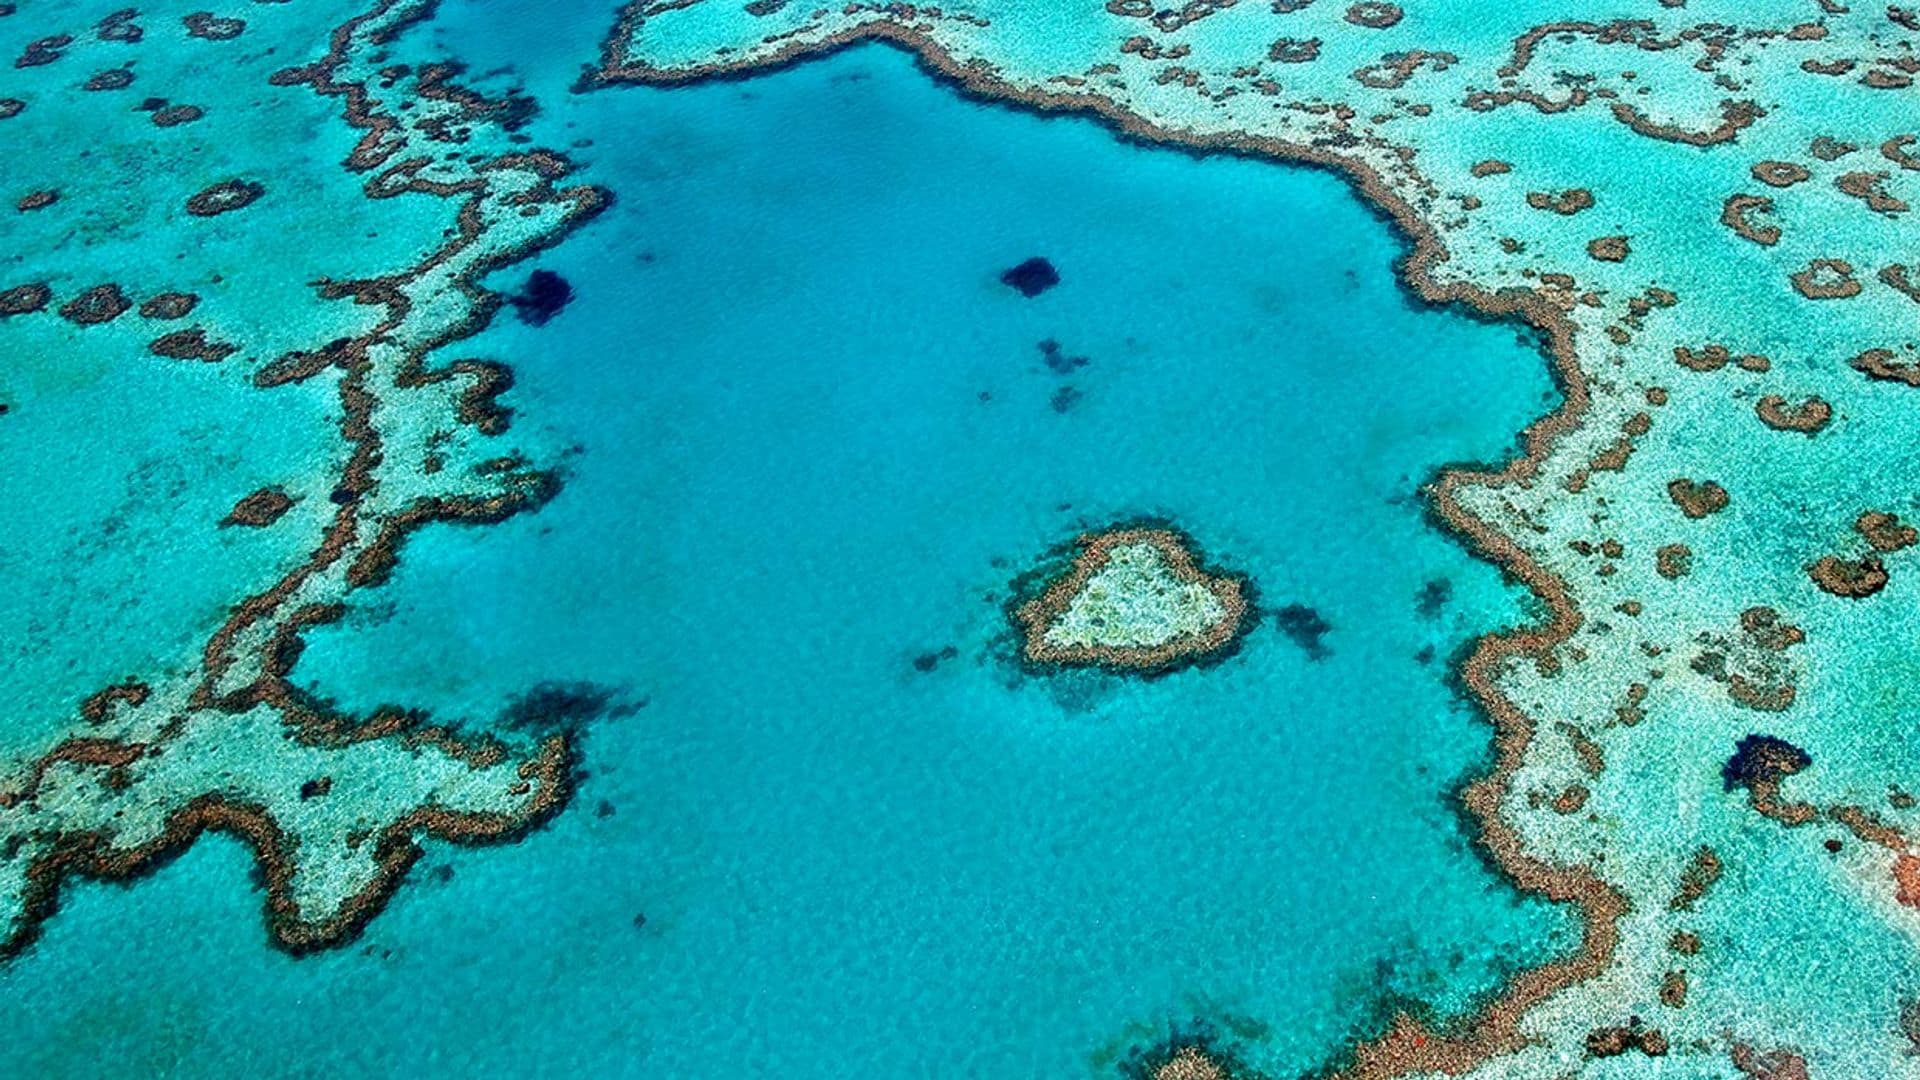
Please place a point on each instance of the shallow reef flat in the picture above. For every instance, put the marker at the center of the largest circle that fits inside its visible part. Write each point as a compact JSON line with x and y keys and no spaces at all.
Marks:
{"x":1706,"y":208}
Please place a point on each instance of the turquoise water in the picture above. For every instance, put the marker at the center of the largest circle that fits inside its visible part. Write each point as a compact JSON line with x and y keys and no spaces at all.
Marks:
{"x":137,"y":499}
{"x":808,"y":438}
{"x":787,"y":485}
{"x":809,"y":441}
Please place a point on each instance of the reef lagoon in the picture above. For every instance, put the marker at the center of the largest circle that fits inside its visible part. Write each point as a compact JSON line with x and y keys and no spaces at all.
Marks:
{"x":1242,"y":540}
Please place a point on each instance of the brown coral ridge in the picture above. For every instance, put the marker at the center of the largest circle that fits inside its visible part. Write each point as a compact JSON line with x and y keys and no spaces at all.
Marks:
{"x":530,"y":491}
{"x":1777,"y":1064}
{"x":1034,"y":617}
{"x":1673,"y":561}
{"x":545,"y":777}
{"x":1899,"y":279}
{"x":1713,"y":357}
{"x":1808,"y":417}
{"x":1700,"y":876}
{"x":1288,"y":50}
{"x":1762,"y":762}
{"x":1566,"y":203}
{"x":24,"y":299}
{"x":1780,"y":174}
{"x":1735,"y":117}
{"x":1826,"y":279}
{"x":97,"y":305}
{"x":100,"y":705}
{"x":1374,"y":15}
{"x":1608,"y":248}
{"x":191,"y":344}
{"x":1697,"y":499}
{"x":258,"y":509}
{"x":111,"y":79}
{"x":43,"y":51}
{"x":1737,"y":214}
{"x":1851,"y":579}
{"x":1613,"y":1041}
{"x":169,"y":305}
{"x":1870,"y":188}
{"x":175,"y":115}
{"x":224,"y":197}
{"x":1883,"y":364}
{"x":1885,"y":532}
{"x":210,"y":27}
{"x":1409,"y":1046}
{"x":395,"y":851}
{"x":1777,"y":759}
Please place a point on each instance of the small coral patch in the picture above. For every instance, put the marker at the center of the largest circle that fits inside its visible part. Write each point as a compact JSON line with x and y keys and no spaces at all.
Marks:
{"x":1133,"y":599}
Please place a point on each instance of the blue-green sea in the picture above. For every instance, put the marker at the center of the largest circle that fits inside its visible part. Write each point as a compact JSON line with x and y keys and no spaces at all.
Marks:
{"x":809,"y":438}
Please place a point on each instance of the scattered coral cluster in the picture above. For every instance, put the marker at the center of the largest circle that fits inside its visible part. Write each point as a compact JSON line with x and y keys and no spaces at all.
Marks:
{"x":332,"y":804}
{"x":1704,"y":208}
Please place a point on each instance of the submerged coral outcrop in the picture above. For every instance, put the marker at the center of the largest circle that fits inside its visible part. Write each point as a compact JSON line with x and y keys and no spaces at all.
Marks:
{"x":1134,"y":599}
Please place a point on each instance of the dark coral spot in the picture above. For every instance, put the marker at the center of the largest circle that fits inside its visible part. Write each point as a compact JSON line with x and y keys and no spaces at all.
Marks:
{"x":1058,"y":361}
{"x":1305,"y":628}
{"x":1032,"y":277}
{"x":930,"y":660}
{"x":119,"y":26}
{"x":564,"y":706}
{"x":543,"y":297}
{"x":1762,"y":759}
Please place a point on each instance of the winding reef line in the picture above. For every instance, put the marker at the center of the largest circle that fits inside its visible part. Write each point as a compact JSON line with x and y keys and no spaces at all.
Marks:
{"x":1408,"y":1046}
{"x":261,"y":658}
